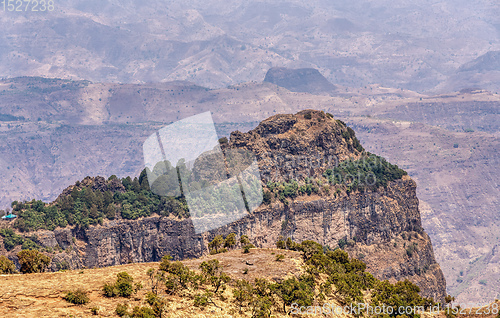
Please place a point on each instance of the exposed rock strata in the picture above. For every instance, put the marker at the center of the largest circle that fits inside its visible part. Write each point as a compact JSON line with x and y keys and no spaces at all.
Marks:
{"x":382,"y":226}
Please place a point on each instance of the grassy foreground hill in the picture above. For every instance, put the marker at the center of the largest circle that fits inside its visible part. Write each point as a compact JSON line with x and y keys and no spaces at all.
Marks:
{"x":41,"y":295}
{"x":259,"y":283}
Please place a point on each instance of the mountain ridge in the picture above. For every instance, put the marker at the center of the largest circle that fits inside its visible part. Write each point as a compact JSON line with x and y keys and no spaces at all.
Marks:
{"x":309,"y":204}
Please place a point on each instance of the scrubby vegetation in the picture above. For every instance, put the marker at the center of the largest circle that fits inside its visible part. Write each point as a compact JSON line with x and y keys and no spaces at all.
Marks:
{"x":347,"y":281}
{"x":91,"y":201}
{"x":123,"y":287}
{"x":6,"y":265}
{"x":11,"y":240}
{"x":284,"y":190}
{"x":329,"y":276}
{"x":32,"y":261}
{"x":222,"y":245}
{"x":78,"y":297}
{"x":369,"y":172}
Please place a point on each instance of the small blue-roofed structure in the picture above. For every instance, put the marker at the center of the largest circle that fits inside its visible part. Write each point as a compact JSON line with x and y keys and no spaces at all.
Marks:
{"x":9,"y":217}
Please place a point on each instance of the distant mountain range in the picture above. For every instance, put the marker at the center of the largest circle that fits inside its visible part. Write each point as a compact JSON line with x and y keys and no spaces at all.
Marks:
{"x":421,"y":46}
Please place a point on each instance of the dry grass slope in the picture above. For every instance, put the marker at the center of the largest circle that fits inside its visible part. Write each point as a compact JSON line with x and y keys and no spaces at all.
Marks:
{"x":40,"y":295}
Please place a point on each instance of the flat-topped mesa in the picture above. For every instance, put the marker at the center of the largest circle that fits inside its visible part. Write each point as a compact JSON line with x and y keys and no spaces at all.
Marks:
{"x":318,"y":184}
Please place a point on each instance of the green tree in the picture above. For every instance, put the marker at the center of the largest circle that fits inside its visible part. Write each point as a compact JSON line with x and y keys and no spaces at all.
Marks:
{"x":242,"y":293}
{"x":121,"y":310}
{"x":310,"y":248}
{"x":216,"y":243}
{"x":94,"y":213}
{"x":244,"y":240}
{"x":213,"y":272}
{"x":178,"y":275}
{"x":109,"y":290}
{"x":124,"y":284}
{"x":158,"y":303}
{"x":281,"y":244}
{"x":297,"y":291}
{"x":32,"y":261}
{"x":10,"y":239}
{"x":262,"y":300}
{"x":28,"y":244}
{"x":230,"y":240}
{"x":403,"y":293}
{"x":6,"y":265}
{"x":267,"y":197}
{"x":143,"y":312}
{"x":110,"y":211}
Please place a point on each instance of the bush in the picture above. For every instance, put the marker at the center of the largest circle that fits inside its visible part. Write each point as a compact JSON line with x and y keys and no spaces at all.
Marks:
{"x":280,"y":257}
{"x":32,"y":261}
{"x":78,"y":297}
{"x":307,"y":116}
{"x":246,"y":248}
{"x":411,"y":249}
{"x":310,"y":248}
{"x":109,"y":290}
{"x":201,"y":300}
{"x":212,"y":270}
{"x":28,"y":244}
{"x":157,"y":303}
{"x":244,"y":240}
{"x":123,"y":286}
{"x":402,"y":293}
{"x":121,"y":310}
{"x":342,"y":243}
{"x":281,"y":244}
{"x":7,"y":266}
{"x":94,"y":311}
{"x":143,"y":312}
{"x":179,"y":275}
{"x":293,"y":290}
{"x":10,"y":239}
{"x":369,"y":172}
{"x":267,"y":196}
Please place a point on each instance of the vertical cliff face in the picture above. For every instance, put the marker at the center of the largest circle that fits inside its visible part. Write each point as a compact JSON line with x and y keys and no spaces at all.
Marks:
{"x":379,"y":224}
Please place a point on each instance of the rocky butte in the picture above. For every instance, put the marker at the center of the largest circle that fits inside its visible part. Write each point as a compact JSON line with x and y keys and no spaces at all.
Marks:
{"x":372,"y":212}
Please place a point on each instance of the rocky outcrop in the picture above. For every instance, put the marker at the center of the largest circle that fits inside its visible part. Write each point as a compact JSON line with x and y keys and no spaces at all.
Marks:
{"x":381,"y":226}
{"x":306,"y":80}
